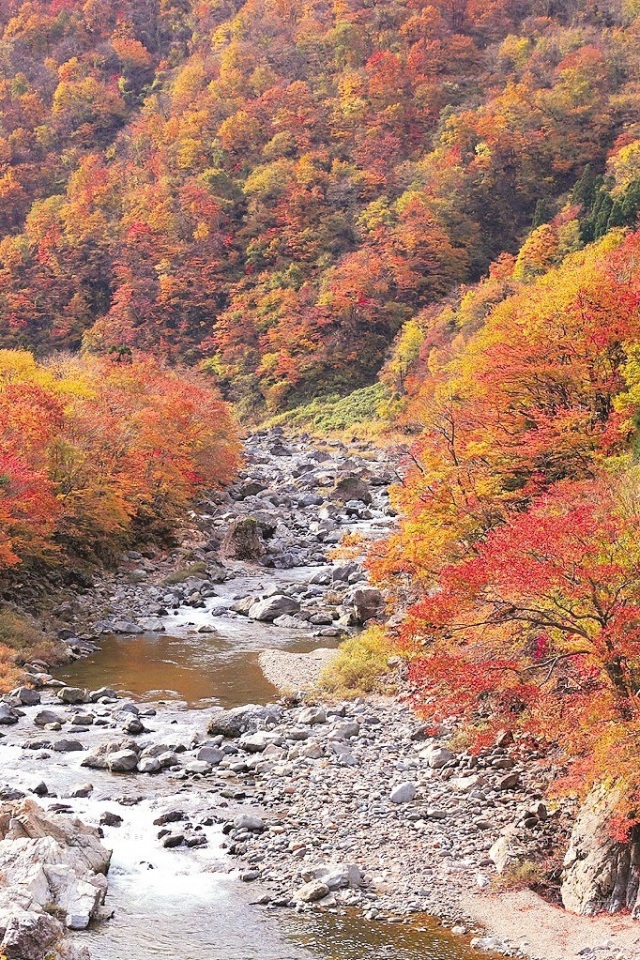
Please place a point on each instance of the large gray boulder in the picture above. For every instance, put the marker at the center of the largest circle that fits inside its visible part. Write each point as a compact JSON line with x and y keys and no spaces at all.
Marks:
{"x":233,"y":723}
{"x":28,"y":935}
{"x":351,"y":487}
{"x":271,"y":608}
{"x":368,"y":602}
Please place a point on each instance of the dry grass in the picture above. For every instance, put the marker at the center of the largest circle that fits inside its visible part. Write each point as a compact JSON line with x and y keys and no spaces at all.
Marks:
{"x":360,"y":666}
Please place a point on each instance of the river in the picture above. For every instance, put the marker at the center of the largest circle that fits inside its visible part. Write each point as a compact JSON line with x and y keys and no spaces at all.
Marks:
{"x":190,"y":904}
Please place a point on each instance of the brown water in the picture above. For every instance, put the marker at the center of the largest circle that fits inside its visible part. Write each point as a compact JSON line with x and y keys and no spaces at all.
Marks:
{"x":201,"y":671}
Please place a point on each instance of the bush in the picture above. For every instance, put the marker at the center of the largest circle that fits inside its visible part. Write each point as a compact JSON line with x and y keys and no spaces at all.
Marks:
{"x":360,"y":666}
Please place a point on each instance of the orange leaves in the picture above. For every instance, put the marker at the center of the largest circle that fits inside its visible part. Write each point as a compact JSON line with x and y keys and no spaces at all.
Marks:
{"x":90,"y":449}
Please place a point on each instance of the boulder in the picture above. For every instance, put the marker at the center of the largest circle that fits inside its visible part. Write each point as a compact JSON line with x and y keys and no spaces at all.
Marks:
{"x":270,"y":608}
{"x":336,"y":876}
{"x":26,"y":696}
{"x":311,"y":892}
{"x":29,"y":935}
{"x":233,"y":723}
{"x":55,"y":865}
{"x":123,"y":761}
{"x":437,"y":756}
{"x":509,"y":850}
{"x":44,"y":717}
{"x":247,"y":821}
{"x":351,"y":487}
{"x":243,"y":540}
{"x":8,"y":715}
{"x":73,"y":695}
{"x":368,"y":602}
{"x":403,"y":793}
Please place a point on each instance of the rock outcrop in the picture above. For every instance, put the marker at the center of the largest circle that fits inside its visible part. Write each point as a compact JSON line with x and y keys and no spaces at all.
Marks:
{"x":601,"y":874}
{"x":53,"y":872}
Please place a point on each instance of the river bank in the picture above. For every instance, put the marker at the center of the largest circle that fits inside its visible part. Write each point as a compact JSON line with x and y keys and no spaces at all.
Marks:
{"x":280,"y":807}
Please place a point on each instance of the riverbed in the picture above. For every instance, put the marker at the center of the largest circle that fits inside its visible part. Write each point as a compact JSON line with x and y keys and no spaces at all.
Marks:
{"x":190,"y":903}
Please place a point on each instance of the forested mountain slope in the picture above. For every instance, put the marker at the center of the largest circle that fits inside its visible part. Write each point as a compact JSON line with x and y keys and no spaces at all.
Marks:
{"x":275,"y":186}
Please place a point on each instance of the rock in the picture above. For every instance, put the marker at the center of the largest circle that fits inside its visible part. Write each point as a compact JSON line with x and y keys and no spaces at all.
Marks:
{"x":98,"y":758}
{"x":257,"y":742}
{"x":233,"y":723}
{"x":46,"y":717}
{"x":243,"y":540}
{"x":287,"y":622}
{"x":171,"y":816}
{"x":80,"y":790}
{"x":172,"y":840}
{"x":488,"y":944}
{"x":29,"y":935}
{"x":152,"y":624}
{"x":123,"y":761}
{"x":509,"y":849}
{"x":50,"y":865}
{"x":104,"y":693}
{"x":368,"y":602}
{"x":73,"y":695}
{"x":67,"y":746}
{"x":351,"y":488}
{"x":313,"y":715}
{"x":509,"y":781}
{"x":311,"y":892}
{"x":345,"y":730}
{"x":109,"y":819}
{"x":437,"y":756}
{"x":250,"y":488}
{"x":211,"y":755}
{"x":600,"y":873}
{"x":26,"y":696}
{"x":403,"y":793}
{"x":8,"y":716}
{"x":247,"y":821}
{"x":117,"y":626}
{"x":336,"y":876}
{"x":272,"y":607}
{"x":149,"y":765}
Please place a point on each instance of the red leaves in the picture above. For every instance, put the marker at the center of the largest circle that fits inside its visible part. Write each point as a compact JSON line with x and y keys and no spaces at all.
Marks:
{"x":91,"y":448}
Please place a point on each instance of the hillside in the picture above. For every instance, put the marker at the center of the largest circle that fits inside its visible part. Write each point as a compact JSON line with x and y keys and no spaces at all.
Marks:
{"x":273,"y":187}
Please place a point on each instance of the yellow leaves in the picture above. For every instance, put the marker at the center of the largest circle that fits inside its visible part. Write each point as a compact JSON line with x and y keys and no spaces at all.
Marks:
{"x":537,"y":254}
{"x":515,"y":49}
{"x":201,"y":232}
{"x":624,"y":166}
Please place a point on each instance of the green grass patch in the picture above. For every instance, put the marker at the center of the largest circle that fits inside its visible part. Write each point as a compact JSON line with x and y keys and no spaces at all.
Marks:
{"x":361,"y":665}
{"x":335,"y":412}
{"x":198,"y":569}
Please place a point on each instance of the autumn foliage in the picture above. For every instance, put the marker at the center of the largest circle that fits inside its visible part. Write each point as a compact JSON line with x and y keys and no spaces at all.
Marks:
{"x":521,"y":507}
{"x":278,"y":186}
{"x":96,"y":453}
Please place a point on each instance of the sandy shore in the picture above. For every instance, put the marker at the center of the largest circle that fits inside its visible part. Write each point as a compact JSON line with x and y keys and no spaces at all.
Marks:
{"x":295,"y":673}
{"x":545,"y":932}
